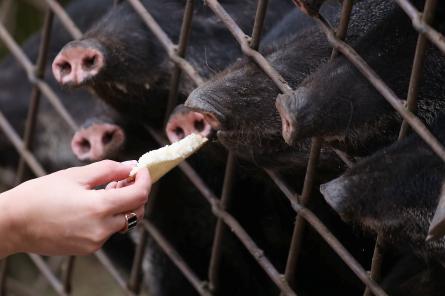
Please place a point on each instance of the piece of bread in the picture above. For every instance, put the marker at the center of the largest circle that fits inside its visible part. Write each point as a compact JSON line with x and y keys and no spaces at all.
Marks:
{"x":161,"y":161}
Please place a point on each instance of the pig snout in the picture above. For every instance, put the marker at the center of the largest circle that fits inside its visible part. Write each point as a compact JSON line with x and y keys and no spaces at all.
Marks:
{"x":182,"y":124}
{"x":335,"y":194}
{"x":97,"y":142}
{"x":77,"y":62}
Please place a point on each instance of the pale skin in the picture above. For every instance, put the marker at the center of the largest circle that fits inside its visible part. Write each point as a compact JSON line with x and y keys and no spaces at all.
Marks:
{"x":62,"y":213}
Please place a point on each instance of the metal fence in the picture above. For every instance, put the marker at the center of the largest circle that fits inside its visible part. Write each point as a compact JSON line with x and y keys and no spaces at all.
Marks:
{"x":249,"y":46}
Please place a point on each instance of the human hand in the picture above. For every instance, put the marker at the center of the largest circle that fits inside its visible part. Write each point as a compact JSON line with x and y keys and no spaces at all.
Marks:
{"x":62,"y":213}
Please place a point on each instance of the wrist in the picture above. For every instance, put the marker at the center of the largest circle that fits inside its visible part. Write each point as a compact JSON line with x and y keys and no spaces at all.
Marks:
{"x":9,"y":225}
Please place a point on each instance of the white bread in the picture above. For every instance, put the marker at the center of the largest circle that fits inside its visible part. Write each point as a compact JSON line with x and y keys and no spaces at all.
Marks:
{"x":159,"y":162}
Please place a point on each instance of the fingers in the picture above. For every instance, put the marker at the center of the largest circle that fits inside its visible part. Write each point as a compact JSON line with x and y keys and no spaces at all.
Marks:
{"x":124,"y":199}
{"x":118,"y":222}
{"x":102,"y":172}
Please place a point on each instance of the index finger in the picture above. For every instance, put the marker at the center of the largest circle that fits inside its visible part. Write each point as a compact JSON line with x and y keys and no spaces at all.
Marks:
{"x":130,"y":197}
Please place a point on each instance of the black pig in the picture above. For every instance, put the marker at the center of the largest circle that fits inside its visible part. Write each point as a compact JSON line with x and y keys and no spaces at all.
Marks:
{"x":125,"y":64}
{"x":395,"y":193}
{"x":240,"y":102}
{"x":338,"y":103}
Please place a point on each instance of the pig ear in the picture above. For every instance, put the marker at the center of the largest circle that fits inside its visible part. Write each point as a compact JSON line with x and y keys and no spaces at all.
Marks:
{"x":437,"y":226}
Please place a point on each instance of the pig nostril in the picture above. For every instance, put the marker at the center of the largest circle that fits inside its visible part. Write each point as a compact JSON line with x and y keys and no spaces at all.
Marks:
{"x":65,"y":68}
{"x":179,"y":132}
{"x":199,"y":125}
{"x":107,"y":138}
{"x":85,"y":145}
{"x":89,"y":62}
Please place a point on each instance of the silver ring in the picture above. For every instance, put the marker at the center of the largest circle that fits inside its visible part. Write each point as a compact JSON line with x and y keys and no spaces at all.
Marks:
{"x":131,"y":221}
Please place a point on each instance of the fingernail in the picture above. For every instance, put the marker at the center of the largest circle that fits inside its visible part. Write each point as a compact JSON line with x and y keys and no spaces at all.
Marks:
{"x":130,"y":163}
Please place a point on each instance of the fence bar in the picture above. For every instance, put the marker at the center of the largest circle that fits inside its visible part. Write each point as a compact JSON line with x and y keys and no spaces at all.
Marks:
{"x":419,"y":57}
{"x":18,"y":144}
{"x":23,"y":60}
{"x":416,"y":75}
{"x":200,"y":286}
{"x":376,"y":263}
{"x":297,"y":236}
{"x":35,"y":93}
{"x":258,"y":25}
{"x":421,"y":25}
{"x":181,"y":50}
{"x":383,"y":89}
{"x":106,"y":262}
{"x":3,"y":275}
{"x":46,"y":271}
{"x":324,"y":232}
{"x":226,"y":195}
{"x":235,"y":227}
{"x":64,"y":18}
{"x":68,"y":274}
{"x":243,"y":40}
{"x":166,"y":42}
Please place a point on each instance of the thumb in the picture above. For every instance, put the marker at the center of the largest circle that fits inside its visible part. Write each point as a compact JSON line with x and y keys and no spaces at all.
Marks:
{"x":102,"y":172}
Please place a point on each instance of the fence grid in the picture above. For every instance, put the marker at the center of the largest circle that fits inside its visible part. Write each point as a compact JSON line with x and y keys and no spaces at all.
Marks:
{"x":177,"y":53}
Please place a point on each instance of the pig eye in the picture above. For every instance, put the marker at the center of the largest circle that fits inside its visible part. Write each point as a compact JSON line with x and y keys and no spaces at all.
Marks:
{"x":199,"y":125}
{"x":179,"y":132}
{"x":107,"y":138}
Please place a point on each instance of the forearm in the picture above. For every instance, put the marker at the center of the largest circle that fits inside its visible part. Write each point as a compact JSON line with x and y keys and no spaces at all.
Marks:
{"x":8,"y":232}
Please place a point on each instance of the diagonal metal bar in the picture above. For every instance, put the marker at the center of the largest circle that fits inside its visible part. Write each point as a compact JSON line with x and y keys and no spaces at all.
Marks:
{"x":421,"y":25}
{"x":324,"y":232}
{"x":64,"y":18}
{"x":23,"y":60}
{"x":200,"y":286}
{"x":35,"y":93}
{"x":180,"y":51}
{"x":166,"y":42}
{"x":415,"y":123}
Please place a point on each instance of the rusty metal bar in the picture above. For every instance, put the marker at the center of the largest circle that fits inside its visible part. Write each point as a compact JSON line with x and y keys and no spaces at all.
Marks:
{"x":297,"y":236}
{"x":324,"y":232}
{"x":215,"y":258}
{"x":46,"y":271}
{"x":18,"y":144}
{"x":416,"y":75}
{"x":3,"y":275}
{"x":243,"y":40}
{"x":421,"y":25}
{"x":376,"y":263}
{"x":108,"y":265}
{"x":258,"y":25}
{"x":200,"y":286}
{"x":67,"y":275}
{"x":64,"y":18}
{"x":383,"y":89}
{"x":35,"y":93}
{"x":135,"y":280}
{"x":224,"y":203}
{"x":180,"y":51}
{"x":166,"y":42}
{"x":23,"y":60}
{"x":419,"y":57}
{"x":235,"y":227}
